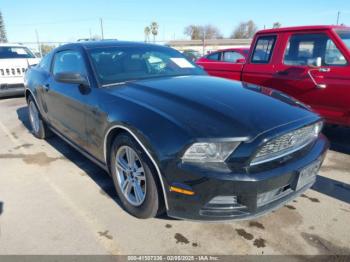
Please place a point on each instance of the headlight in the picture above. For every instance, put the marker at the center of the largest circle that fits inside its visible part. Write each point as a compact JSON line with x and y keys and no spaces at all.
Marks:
{"x":209,"y":152}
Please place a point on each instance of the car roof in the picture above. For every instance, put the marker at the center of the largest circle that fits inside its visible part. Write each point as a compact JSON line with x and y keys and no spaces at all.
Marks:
{"x":107,"y":43}
{"x":302,"y":28}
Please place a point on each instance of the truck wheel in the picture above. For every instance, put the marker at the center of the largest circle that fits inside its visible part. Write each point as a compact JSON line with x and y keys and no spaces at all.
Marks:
{"x":133,"y":177}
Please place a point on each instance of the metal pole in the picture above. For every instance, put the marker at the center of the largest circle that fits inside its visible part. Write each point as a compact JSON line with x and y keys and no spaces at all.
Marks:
{"x":338,"y":17}
{"x":203,"y":42}
{"x":38,"y":43}
{"x":101,"y":24}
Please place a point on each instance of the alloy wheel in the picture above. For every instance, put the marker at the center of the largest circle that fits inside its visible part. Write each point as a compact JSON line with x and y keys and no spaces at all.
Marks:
{"x":131,"y":175}
{"x":34,"y":117}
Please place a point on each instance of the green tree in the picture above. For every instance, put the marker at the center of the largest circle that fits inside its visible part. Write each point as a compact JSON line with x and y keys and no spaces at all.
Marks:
{"x":245,"y":30}
{"x":154,"y":30}
{"x":147,"y":32}
{"x":3,"y":36}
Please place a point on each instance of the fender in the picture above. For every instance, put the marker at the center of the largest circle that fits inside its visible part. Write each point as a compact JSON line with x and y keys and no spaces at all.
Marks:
{"x":144,"y":149}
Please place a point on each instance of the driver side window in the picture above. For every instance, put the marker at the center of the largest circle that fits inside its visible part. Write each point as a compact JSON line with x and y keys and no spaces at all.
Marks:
{"x":68,"y":62}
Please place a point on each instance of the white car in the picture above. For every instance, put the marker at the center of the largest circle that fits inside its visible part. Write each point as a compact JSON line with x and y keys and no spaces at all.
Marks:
{"x":14,"y":61}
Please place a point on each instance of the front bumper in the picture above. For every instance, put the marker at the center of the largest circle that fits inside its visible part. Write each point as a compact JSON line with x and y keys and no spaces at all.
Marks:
{"x":11,"y":90}
{"x":11,"y":86}
{"x":245,"y":189}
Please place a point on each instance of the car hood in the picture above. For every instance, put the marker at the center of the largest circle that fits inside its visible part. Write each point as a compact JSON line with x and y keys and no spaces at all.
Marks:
{"x":214,"y":107}
{"x":18,"y":62}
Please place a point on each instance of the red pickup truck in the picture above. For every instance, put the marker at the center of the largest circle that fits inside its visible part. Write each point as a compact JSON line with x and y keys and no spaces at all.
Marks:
{"x":310,"y":63}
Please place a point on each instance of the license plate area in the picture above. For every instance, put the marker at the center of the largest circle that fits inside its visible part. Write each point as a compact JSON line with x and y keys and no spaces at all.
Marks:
{"x":308,"y":175}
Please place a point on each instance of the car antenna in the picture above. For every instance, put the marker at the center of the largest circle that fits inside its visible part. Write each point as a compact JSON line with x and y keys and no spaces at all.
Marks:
{"x":28,"y":64}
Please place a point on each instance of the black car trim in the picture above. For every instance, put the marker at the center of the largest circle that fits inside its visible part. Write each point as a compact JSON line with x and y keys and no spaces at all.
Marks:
{"x":146,"y":151}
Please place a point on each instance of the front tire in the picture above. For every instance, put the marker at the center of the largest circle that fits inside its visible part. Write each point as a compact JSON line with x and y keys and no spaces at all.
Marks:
{"x":38,"y":127}
{"x":133,"y":178}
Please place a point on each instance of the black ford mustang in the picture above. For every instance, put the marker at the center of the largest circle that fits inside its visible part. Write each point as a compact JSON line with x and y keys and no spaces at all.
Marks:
{"x":172,"y":137}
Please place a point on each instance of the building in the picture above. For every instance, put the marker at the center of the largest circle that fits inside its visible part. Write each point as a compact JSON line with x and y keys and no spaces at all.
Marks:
{"x":209,"y":45}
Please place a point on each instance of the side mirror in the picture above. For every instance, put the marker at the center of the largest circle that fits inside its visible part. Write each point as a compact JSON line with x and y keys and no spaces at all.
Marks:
{"x":241,"y":61}
{"x":315,"y":62}
{"x":71,"y":78}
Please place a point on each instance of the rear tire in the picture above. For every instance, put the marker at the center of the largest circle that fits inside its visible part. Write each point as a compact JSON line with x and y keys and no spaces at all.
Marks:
{"x":134,"y":178}
{"x":38,"y":126}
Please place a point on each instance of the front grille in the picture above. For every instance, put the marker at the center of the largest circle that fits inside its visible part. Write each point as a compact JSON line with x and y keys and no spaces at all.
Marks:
{"x":287,"y":143}
{"x":13,"y":71}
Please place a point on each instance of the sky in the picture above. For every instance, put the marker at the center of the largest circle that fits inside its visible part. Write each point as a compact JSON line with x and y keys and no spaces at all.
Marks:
{"x":69,"y":20}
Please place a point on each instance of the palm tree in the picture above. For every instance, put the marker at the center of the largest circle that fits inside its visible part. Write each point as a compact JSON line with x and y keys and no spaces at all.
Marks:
{"x":154,"y":29}
{"x":147,"y":33}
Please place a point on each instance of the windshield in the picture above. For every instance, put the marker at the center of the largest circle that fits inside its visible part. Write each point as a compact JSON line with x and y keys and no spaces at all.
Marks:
{"x":119,"y":64}
{"x":9,"y":52}
{"x":345,"y":36}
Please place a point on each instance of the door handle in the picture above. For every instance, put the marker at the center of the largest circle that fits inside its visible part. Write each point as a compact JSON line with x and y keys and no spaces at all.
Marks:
{"x":321,"y":70}
{"x":47,"y":87}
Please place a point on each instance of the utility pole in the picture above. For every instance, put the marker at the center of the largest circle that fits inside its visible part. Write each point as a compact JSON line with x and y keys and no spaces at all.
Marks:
{"x":338,"y":17}
{"x":101,"y":25}
{"x":204,"y":36}
{"x":38,"y":43}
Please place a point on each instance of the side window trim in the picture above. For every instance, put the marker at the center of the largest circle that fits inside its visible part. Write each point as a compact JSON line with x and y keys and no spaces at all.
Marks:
{"x":275,"y":38}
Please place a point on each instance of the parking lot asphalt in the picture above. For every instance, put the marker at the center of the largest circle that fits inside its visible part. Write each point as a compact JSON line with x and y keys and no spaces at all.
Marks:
{"x":54,"y":201}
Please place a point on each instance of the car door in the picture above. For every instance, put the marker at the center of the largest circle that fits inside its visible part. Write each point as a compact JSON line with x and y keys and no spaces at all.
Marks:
{"x":314,"y":70}
{"x":229,"y":66}
{"x":260,"y":68}
{"x":223,"y":64}
{"x":43,"y":76}
{"x":65,"y":102}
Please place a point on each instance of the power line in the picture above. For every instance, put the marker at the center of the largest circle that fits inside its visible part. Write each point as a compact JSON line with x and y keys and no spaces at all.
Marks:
{"x":53,"y":23}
